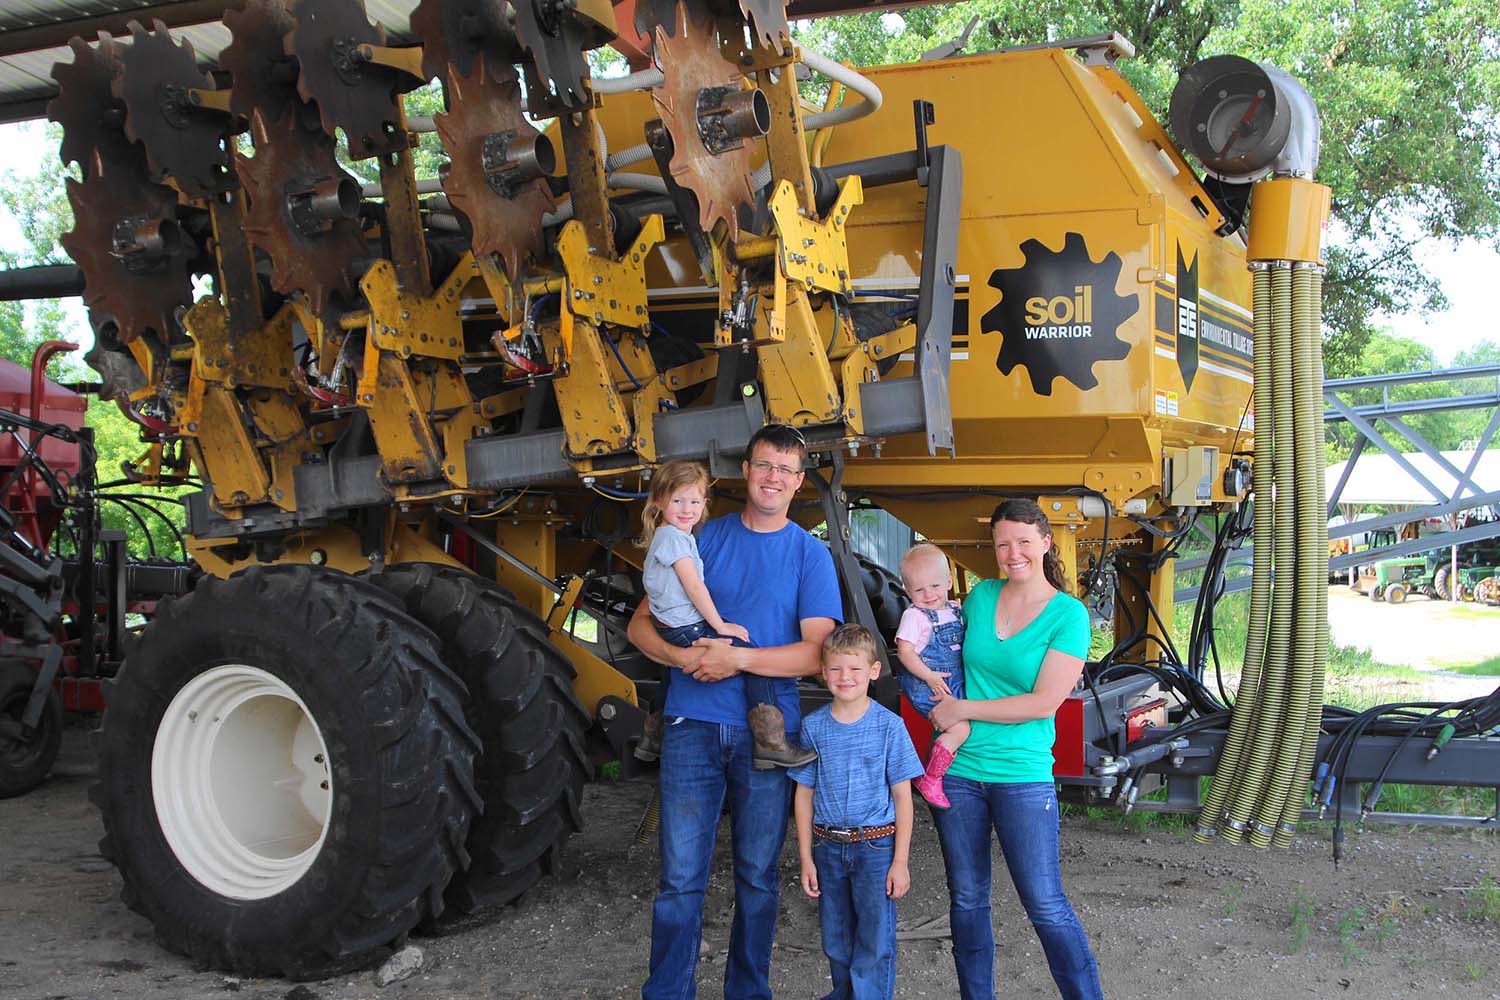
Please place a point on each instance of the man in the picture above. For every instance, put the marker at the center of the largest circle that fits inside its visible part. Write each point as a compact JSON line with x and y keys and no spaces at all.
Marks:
{"x":766,"y":573}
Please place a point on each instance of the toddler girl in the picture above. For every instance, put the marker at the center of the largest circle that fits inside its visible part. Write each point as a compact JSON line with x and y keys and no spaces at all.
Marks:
{"x":684,"y":612}
{"x":929,"y":644}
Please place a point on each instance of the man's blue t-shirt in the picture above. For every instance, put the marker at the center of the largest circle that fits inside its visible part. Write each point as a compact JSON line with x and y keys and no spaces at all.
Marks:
{"x":768,"y":582}
{"x":857,"y":764}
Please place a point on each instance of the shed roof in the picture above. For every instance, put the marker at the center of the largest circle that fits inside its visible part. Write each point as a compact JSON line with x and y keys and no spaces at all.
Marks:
{"x":1377,"y":479}
{"x":34,"y":34}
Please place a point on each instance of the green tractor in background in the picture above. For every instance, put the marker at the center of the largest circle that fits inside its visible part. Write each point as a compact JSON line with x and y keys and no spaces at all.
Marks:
{"x":1393,"y":580}
{"x":1432,"y":574}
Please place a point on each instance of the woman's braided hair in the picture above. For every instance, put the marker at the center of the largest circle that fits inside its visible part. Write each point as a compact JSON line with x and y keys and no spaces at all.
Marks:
{"x":1021,"y":511}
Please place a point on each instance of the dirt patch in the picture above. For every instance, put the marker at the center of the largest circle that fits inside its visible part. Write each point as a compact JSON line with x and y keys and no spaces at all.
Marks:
{"x":1166,"y":916}
{"x":1429,"y":635}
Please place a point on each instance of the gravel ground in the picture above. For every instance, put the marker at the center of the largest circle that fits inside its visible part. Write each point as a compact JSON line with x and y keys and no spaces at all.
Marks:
{"x":1166,"y":916}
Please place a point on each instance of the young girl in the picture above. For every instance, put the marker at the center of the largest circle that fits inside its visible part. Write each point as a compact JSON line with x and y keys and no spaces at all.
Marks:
{"x":929,"y":644}
{"x":682,"y":608}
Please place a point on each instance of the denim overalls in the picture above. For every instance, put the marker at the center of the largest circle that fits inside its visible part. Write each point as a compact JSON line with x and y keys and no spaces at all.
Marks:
{"x":943,"y":653}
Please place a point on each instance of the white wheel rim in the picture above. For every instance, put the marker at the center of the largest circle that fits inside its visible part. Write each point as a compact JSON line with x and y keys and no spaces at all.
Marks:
{"x":240,"y":779}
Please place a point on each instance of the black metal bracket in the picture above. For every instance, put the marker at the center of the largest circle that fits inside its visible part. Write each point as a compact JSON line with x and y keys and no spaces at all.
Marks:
{"x":622,"y":724}
{"x":922,"y":112}
{"x":43,"y":686}
{"x":857,"y":607}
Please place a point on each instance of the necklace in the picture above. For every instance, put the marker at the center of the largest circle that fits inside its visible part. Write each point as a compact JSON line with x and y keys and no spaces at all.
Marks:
{"x":1026,"y":611}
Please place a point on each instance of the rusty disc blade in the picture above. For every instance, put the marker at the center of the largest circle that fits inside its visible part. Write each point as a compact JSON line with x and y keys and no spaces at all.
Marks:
{"x":485,"y":107}
{"x":314,"y":257}
{"x":182,"y":141}
{"x":262,"y":76}
{"x":557,"y":40}
{"x":690,"y":61}
{"x":350,"y":94}
{"x":85,"y":106}
{"x":139,"y":288}
{"x":459,"y":32}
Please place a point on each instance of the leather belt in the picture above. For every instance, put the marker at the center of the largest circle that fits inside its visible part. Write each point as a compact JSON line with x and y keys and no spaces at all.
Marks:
{"x":852,"y":834}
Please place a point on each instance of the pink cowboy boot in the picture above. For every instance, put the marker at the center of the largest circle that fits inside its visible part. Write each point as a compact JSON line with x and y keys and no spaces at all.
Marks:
{"x":930,"y":785}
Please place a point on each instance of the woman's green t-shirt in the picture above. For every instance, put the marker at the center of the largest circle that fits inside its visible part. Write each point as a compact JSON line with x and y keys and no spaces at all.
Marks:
{"x":1012,"y":752}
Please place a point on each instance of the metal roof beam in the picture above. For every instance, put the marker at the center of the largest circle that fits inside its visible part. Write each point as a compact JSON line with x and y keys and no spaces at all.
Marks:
{"x":23,"y":110}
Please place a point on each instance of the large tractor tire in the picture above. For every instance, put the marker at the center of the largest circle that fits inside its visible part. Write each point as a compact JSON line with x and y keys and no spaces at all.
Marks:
{"x":521,"y":703}
{"x":1442,"y":582}
{"x":286,"y":776}
{"x":25,"y":758}
{"x":887,"y":597}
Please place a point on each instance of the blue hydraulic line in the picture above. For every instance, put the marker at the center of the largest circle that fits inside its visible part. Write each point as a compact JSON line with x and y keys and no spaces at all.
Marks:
{"x":618,"y":357}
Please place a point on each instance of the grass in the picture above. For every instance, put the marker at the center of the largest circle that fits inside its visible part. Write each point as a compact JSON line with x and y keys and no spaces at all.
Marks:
{"x":1349,"y":927}
{"x":1484,"y":668}
{"x":1385,"y":929}
{"x":1475,"y":612}
{"x":1484,"y":901}
{"x":1302,"y":912}
{"x":1440,"y":800}
{"x":583,"y":626}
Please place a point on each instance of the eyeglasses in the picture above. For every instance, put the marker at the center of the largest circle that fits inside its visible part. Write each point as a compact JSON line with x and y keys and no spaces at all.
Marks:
{"x":764,"y":468}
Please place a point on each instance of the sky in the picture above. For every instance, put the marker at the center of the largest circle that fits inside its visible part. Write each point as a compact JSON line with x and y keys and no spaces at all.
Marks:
{"x":1466,"y":271}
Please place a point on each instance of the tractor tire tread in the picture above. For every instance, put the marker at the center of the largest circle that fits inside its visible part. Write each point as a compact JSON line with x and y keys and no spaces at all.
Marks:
{"x":522,"y":705}
{"x":398,"y":834}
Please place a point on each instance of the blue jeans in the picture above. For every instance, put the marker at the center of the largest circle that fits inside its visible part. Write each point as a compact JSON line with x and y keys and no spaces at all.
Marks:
{"x":1024,"y":817}
{"x":701,"y":763}
{"x":859,"y":919}
{"x":758,"y":690}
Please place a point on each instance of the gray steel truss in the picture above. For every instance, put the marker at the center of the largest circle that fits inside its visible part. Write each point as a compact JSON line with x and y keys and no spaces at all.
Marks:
{"x":1365,"y":418}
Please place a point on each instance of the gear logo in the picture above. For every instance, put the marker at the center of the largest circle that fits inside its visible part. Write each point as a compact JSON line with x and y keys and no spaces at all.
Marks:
{"x":1059,"y":314}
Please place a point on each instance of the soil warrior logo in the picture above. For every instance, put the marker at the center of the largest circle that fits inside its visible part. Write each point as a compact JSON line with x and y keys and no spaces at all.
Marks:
{"x":1058,"y":314}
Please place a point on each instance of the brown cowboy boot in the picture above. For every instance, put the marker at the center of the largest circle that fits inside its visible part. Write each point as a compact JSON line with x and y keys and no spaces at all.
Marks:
{"x":648,"y":747}
{"x":771,"y":748}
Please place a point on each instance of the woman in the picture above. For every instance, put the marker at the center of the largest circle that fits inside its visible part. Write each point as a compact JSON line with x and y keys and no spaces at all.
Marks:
{"x":1024,"y":643}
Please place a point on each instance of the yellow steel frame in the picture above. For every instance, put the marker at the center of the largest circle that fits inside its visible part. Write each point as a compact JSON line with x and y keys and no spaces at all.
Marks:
{"x":407,"y":323}
{"x":600,"y":289}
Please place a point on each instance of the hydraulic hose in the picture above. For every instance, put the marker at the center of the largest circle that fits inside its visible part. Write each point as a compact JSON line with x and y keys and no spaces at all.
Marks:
{"x":641,"y":79}
{"x":627,"y":156}
{"x":1270,"y":706}
{"x":1312,"y":554}
{"x":1260,"y":580}
{"x":860,"y":84}
{"x":1286,"y":781}
{"x":639,"y":182}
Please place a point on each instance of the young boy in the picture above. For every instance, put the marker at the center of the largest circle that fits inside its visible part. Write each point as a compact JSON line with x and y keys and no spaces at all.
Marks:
{"x":854,"y":814}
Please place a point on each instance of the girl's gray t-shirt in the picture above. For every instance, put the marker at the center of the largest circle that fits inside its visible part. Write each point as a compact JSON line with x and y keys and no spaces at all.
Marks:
{"x":670,"y":604}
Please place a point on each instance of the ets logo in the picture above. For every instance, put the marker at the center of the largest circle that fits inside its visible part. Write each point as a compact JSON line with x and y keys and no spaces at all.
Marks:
{"x":1187,"y":318}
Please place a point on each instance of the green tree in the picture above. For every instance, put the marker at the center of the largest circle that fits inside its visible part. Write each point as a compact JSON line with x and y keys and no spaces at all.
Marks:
{"x":1409,"y":92}
{"x":1385,"y":353}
